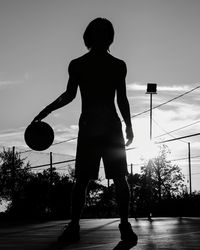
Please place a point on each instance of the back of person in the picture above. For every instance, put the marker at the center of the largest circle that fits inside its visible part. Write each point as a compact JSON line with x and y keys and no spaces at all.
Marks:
{"x":98,"y":75}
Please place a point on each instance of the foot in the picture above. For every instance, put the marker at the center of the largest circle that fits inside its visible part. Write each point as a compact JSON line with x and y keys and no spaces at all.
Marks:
{"x":70,"y":234}
{"x":127,"y":234}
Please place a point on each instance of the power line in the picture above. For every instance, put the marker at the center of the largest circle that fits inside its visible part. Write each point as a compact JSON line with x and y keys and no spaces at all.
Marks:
{"x":54,"y":163}
{"x":160,"y":105}
{"x":68,"y":140}
{"x":175,"y":130}
{"x":185,"y":158}
{"x":56,"y":143}
{"x":166,"y":133}
{"x":192,"y":174}
{"x":47,"y":153}
{"x":174,"y":139}
{"x":135,"y":164}
{"x":178,"y":138}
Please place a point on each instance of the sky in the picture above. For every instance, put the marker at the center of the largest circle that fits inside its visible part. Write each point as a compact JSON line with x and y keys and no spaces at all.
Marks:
{"x":159,"y":41}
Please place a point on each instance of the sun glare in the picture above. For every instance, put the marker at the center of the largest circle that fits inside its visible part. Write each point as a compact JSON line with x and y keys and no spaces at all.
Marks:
{"x":148,"y":150}
{"x":142,"y":151}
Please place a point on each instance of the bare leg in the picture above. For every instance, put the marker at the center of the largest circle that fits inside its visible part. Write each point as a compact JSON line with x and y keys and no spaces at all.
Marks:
{"x":71,"y":232}
{"x":78,"y":199}
{"x":123,"y":196}
{"x":128,"y":237}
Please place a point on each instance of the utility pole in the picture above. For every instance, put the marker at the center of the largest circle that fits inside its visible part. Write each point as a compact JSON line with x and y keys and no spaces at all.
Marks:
{"x":189,"y":164}
{"x":108,"y":183}
{"x":13,"y":173}
{"x":51,"y":169}
{"x":131,"y":193}
{"x":51,"y":184}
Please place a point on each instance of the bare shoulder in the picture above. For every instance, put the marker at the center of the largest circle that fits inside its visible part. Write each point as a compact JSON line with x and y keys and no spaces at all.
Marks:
{"x":117,"y":60}
{"x":76,"y":64}
{"x":77,"y":61}
{"x":119,"y":65}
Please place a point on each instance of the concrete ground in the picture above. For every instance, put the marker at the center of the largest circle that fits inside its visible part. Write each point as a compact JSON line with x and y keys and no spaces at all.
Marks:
{"x":161,"y":233}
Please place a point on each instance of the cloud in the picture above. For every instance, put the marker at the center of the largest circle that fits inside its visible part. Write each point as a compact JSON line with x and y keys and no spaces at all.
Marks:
{"x":12,"y":132}
{"x":173,"y":88}
{"x":140,"y":86}
{"x":75,"y":127}
{"x":63,"y":132}
{"x":12,"y":137}
{"x":25,"y":77}
{"x":6,"y":83}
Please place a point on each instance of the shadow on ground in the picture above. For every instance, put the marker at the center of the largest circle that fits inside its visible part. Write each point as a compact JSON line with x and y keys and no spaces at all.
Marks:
{"x":123,"y":246}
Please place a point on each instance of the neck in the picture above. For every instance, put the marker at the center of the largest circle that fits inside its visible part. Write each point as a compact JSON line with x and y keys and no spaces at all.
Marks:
{"x":99,"y":51}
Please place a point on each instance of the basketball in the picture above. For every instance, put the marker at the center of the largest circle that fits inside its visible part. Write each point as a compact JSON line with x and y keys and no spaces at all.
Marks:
{"x":39,"y":136}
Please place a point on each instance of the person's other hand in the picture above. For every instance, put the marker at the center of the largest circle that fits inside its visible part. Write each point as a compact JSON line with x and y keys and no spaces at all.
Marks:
{"x":129,"y":135}
{"x":41,"y":115}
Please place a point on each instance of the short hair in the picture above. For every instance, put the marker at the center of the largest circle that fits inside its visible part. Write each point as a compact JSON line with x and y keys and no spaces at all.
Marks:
{"x":99,"y":34}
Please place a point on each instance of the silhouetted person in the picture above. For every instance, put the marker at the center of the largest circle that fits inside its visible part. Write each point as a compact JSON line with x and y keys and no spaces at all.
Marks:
{"x":100,"y":77}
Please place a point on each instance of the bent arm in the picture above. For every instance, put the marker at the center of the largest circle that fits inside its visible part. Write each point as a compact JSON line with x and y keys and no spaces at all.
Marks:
{"x":122,"y":99}
{"x":63,"y":99}
{"x":124,"y":107}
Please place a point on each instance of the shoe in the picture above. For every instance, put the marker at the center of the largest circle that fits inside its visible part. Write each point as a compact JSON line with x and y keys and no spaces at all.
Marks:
{"x":70,"y":234}
{"x":127,"y":234}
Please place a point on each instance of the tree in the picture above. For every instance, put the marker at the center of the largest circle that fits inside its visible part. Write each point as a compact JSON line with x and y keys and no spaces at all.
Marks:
{"x":163,"y":178}
{"x":32,"y":195}
{"x":14,"y":172}
{"x":160,"y":181}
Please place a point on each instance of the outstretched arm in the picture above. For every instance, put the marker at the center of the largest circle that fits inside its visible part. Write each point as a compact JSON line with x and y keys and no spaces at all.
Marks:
{"x":123,"y":105}
{"x":62,"y":100}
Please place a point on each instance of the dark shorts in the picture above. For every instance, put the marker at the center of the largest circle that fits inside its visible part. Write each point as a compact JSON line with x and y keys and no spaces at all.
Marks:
{"x":100,"y":140}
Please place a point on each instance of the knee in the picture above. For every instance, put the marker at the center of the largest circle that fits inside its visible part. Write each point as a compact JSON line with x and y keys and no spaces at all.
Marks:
{"x":120,"y":181}
{"x":121,"y":184}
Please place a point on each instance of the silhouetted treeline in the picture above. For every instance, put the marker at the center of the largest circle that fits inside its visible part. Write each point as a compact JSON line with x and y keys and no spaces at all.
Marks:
{"x":158,"y":189}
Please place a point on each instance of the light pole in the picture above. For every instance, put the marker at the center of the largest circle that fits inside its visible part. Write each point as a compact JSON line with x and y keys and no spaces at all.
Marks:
{"x":151,"y":89}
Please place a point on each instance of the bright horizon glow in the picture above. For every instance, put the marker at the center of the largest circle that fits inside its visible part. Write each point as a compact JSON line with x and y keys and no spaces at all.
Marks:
{"x":148,"y":149}
{"x":145,"y":150}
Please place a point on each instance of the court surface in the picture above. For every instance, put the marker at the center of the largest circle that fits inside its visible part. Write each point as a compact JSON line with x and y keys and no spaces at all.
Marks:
{"x":161,"y":233}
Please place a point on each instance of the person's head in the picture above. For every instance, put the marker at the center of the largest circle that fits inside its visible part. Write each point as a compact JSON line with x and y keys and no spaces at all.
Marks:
{"x":99,"y":34}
